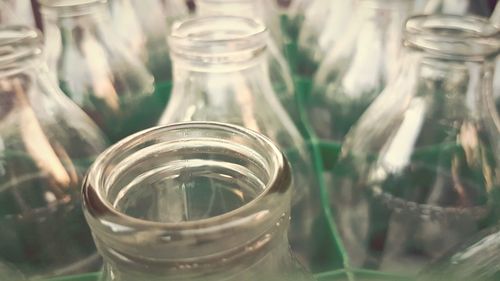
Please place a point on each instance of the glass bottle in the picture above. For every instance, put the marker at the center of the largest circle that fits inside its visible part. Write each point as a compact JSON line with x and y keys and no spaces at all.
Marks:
{"x":419,"y":173}
{"x":357,"y":68}
{"x":96,"y":70}
{"x":46,"y":145}
{"x":192,"y":201}
{"x":220,"y":74}
{"x":281,"y":76}
{"x":323,"y":24}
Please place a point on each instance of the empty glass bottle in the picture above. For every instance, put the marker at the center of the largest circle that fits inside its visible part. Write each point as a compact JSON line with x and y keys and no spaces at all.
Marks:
{"x":46,"y":145}
{"x":357,"y":68}
{"x":420,"y":171}
{"x":192,"y":201}
{"x":96,"y":70}
{"x":221,"y":74}
{"x":279,"y":70}
{"x":323,"y":24}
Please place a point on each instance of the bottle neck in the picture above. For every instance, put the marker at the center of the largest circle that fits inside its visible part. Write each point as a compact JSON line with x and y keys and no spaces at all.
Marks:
{"x":262,"y":256}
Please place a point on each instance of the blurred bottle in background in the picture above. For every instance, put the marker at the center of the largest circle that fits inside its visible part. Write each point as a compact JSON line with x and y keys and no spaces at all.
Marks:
{"x":324,"y":22}
{"x":144,"y":26}
{"x":95,"y":68}
{"x":357,"y":67}
{"x":46,"y":145}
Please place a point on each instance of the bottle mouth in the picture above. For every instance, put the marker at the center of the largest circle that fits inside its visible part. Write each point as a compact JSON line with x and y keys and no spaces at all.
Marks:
{"x":17,"y":44}
{"x":187,"y":191}
{"x":70,"y":8}
{"x":453,"y":36}
{"x":218,"y":39}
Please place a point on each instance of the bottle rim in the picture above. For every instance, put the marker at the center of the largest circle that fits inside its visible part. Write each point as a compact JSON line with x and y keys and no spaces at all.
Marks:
{"x":139,"y":239}
{"x":97,"y":180}
{"x":69,"y":8}
{"x":453,"y":36}
{"x":221,"y":38}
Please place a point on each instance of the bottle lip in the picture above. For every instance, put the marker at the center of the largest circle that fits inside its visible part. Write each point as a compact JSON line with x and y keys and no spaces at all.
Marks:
{"x":453,"y":36}
{"x":111,"y":225}
{"x":218,"y":37}
{"x":70,"y":8}
{"x":69,"y":3}
{"x":17,"y":44}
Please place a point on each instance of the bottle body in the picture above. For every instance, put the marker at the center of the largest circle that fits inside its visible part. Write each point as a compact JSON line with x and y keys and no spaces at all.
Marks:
{"x":239,"y":233}
{"x":351,"y":75}
{"x":96,"y":70}
{"x":414,"y":180}
{"x":47,"y":145}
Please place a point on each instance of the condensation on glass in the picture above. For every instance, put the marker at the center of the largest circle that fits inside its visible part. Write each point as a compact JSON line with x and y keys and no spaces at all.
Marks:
{"x":265,"y":12}
{"x":96,"y":69}
{"x":46,"y":145}
{"x":357,"y":68}
{"x":192,"y":201}
{"x":419,"y":173}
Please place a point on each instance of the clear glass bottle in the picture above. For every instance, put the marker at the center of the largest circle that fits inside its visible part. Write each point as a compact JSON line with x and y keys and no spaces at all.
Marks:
{"x":357,"y":68}
{"x":323,"y":24}
{"x":192,"y":201}
{"x":96,"y":70}
{"x":420,"y":171}
{"x":221,"y":74}
{"x":46,"y":145}
{"x":279,"y":70}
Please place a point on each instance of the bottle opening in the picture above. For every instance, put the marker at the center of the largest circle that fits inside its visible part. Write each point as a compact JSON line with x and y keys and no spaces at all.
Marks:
{"x":69,"y":8}
{"x":453,"y":36}
{"x":191,"y":182}
{"x":218,"y":39}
